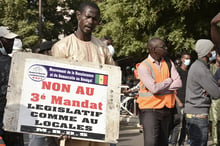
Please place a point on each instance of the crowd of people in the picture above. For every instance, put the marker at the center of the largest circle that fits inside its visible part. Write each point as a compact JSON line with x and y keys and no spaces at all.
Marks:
{"x":175,"y":99}
{"x":193,"y":105}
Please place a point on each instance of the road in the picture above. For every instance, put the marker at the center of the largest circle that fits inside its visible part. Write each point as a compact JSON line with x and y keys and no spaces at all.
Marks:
{"x":130,"y":136}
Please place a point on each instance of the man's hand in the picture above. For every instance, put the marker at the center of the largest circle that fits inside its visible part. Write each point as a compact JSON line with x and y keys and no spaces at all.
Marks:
{"x":182,"y":110}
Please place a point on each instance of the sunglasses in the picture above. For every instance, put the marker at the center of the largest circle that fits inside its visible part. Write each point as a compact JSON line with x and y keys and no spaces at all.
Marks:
{"x":163,"y":47}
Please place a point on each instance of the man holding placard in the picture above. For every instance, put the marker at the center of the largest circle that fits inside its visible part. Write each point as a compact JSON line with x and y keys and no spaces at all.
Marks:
{"x":82,"y":46}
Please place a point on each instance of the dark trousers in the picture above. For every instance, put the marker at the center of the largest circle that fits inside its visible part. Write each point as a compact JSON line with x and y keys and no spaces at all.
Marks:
{"x":156,"y":124}
{"x":13,"y":139}
{"x":183,"y":131}
{"x":140,"y":115}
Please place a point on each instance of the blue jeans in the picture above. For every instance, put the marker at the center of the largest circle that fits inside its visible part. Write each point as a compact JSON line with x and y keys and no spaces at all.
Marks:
{"x":198,"y":131}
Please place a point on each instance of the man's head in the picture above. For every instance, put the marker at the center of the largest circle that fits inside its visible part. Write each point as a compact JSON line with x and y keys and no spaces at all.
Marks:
{"x":6,"y":40}
{"x":88,"y":17}
{"x":204,"y":47}
{"x":45,"y":47}
{"x":107,"y":40}
{"x":178,"y":62}
{"x":185,"y":59}
{"x":157,"y":48}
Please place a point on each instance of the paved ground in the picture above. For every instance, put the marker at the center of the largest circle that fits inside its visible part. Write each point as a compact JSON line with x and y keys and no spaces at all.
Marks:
{"x":129,"y":134}
{"x":26,"y":139}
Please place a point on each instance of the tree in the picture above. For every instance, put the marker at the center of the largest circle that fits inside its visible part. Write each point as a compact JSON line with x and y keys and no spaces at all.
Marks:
{"x":131,"y":23}
{"x":16,"y":15}
{"x":22,"y":17}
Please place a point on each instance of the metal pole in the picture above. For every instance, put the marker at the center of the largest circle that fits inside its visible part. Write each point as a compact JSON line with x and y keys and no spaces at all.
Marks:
{"x":40,"y":21}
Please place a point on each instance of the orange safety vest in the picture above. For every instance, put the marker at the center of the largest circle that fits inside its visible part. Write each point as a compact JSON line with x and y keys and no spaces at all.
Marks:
{"x":146,"y":99}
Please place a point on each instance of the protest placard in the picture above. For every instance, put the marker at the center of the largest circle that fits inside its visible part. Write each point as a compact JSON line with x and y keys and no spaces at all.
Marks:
{"x":53,"y":97}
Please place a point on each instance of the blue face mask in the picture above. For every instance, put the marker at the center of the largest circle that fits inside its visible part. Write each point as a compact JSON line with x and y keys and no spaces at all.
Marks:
{"x":187,"y":62}
{"x":2,"y":50}
{"x":213,"y":57}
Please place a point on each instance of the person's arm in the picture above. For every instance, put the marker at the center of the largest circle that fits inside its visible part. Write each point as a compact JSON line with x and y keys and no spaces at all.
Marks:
{"x":215,"y":33}
{"x":180,"y":104}
{"x":210,"y":85}
{"x":177,"y":82}
{"x":147,"y":79}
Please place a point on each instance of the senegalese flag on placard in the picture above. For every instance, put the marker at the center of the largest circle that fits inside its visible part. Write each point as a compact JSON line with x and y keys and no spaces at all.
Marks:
{"x":101,"y":79}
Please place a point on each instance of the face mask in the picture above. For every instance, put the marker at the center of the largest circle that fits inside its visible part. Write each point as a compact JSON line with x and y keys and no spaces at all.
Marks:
{"x":111,"y":49}
{"x":213,"y":57}
{"x":187,"y":62}
{"x":2,"y":50}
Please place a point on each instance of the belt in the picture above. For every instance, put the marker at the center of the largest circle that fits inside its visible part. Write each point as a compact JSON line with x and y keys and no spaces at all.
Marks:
{"x":202,"y":116}
{"x":155,"y":109}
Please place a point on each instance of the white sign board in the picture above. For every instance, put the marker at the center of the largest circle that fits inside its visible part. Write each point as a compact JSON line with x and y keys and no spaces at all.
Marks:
{"x":53,"y":96}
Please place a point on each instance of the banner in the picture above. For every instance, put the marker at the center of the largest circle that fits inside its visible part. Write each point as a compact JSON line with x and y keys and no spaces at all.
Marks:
{"x":63,"y":99}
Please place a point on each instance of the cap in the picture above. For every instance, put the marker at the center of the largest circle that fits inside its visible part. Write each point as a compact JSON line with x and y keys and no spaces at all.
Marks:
{"x":6,"y":33}
{"x":203,"y":47}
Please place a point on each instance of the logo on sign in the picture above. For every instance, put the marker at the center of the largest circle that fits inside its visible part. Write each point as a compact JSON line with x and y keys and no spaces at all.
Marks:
{"x":37,"y":73}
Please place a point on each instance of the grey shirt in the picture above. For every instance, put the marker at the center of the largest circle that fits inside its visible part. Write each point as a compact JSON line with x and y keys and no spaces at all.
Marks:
{"x":200,"y":88}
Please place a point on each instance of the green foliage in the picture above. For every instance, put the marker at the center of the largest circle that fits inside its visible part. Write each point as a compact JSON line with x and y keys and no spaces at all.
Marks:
{"x":22,"y":17}
{"x":16,"y":15}
{"x":131,"y":23}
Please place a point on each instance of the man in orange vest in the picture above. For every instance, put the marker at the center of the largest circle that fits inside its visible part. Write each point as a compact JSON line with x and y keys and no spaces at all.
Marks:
{"x":158,"y":81}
